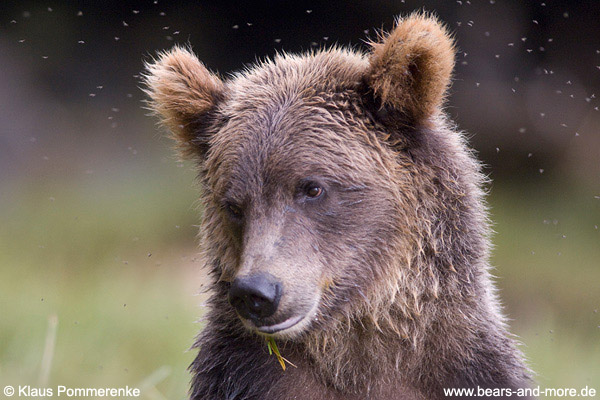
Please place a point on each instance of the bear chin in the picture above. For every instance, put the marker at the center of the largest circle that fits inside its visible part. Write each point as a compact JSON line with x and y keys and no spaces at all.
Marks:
{"x":290,"y":328}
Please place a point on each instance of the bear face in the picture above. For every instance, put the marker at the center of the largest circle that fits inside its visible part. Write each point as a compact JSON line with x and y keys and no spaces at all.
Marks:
{"x":302,"y":190}
{"x":301,"y":177}
{"x":343,"y":215}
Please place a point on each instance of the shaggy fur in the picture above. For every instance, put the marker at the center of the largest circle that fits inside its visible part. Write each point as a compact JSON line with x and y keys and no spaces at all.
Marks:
{"x":389,"y":267}
{"x":181,"y":89}
{"x":411,"y":67}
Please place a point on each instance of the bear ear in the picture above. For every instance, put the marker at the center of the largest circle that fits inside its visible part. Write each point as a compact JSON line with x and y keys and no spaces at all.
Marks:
{"x":411,"y":67}
{"x":183,"y":93}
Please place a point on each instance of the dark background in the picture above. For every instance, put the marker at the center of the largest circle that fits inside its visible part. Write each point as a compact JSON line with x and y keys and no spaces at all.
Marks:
{"x":96,"y":218}
{"x":525,"y":81}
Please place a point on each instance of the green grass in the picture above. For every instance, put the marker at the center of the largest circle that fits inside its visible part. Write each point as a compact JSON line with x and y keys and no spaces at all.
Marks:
{"x":113,"y":260}
{"x":548,"y":266}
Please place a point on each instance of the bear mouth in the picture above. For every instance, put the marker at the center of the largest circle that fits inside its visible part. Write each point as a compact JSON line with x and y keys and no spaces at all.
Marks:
{"x":288,"y":323}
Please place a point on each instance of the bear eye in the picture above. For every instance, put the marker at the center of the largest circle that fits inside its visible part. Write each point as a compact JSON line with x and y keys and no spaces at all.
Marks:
{"x":314,"y":191}
{"x":234,"y":211}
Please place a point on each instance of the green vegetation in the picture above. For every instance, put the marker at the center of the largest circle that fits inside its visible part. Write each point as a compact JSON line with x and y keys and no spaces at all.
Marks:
{"x":547,"y":258}
{"x":115,"y":263}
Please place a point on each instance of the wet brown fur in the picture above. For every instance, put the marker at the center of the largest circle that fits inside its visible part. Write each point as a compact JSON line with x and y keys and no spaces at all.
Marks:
{"x":397,"y":252}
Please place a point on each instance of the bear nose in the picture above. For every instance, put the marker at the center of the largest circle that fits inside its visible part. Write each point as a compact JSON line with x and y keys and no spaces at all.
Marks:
{"x":255,"y":296}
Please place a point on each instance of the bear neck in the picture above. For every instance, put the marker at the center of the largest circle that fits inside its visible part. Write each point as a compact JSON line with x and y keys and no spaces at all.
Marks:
{"x":427,"y":344}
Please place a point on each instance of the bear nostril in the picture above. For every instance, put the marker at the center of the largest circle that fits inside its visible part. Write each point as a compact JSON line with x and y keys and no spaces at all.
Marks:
{"x":255,"y":296}
{"x":255,"y":302}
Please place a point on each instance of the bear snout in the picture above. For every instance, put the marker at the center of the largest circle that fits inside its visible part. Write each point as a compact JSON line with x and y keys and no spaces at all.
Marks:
{"x":256,"y":296}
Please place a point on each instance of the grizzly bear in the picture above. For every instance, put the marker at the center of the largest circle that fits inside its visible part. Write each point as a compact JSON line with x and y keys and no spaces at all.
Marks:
{"x":343,"y":218}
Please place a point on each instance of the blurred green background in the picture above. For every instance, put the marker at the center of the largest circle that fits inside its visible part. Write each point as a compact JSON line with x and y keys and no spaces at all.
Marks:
{"x":99,"y":279}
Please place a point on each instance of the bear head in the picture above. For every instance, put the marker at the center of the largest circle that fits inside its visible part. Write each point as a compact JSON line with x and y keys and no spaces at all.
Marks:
{"x":324,"y":177}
